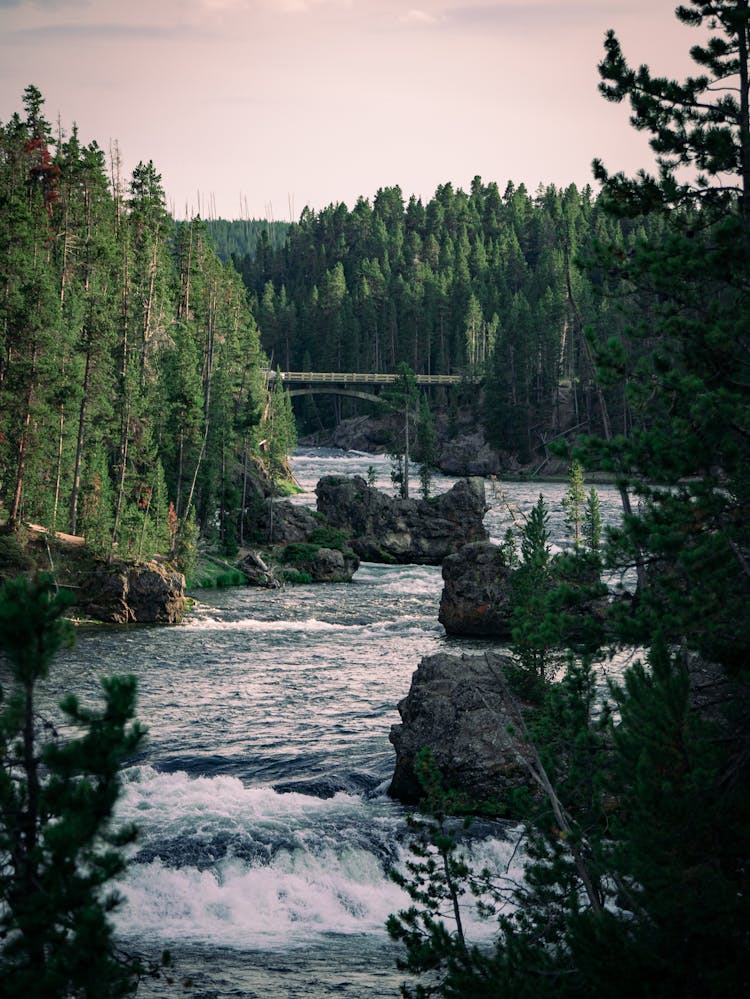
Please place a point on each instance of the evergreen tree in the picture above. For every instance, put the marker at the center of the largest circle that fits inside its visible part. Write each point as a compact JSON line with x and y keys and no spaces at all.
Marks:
{"x":402,"y":397}
{"x":529,"y":598}
{"x":60,"y":849}
{"x":426,"y":451}
{"x":591,"y":529}
{"x":573,"y":503}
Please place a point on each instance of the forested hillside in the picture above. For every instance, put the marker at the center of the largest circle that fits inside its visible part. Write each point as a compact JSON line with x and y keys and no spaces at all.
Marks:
{"x":245,"y":237}
{"x":132,"y":387}
{"x":482,"y":283}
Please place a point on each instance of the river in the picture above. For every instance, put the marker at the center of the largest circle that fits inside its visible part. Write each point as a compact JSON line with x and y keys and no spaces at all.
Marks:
{"x":266,"y":834}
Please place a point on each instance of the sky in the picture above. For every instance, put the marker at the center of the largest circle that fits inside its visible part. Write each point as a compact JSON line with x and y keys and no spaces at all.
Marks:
{"x":258,"y":108}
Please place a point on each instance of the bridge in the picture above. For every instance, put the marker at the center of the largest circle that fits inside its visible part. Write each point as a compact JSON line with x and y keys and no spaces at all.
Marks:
{"x":346,"y":382}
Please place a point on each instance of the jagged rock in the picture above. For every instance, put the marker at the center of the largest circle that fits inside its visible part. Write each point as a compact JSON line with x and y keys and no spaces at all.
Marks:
{"x":460,"y":709}
{"x":476,"y":592}
{"x":386,"y":529}
{"x":333,"y":566}
{"x":469,"y":454}
{"x":285,"y":522}
{"x":323,"y":565}
{"x":128,"y":592}
{"x":362,"y":433}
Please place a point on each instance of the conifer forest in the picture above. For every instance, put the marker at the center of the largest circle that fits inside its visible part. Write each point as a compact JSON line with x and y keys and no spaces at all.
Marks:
{"x":608,"y":325}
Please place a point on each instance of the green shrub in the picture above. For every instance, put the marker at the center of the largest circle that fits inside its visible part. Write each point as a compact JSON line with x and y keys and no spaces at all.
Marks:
{"x":326,"y":536}
{"x":13,"y":556}
{"x":298,"y":552}
{"x":296,"y":578}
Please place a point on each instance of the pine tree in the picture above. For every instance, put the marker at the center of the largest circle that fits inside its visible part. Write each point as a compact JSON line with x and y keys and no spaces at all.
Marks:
{"x":531,"y":584}
{"x":60,"y":848}
{"x":426,"y":451}
{"x":591,"y":528}
{"x":402,"y":397}
{"x":573,"y":503}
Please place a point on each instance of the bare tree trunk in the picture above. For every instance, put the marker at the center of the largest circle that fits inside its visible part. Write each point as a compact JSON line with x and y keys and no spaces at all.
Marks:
{"x":147,"y":319}
{"x":15,"y":507}
{"x":76,"y":488}
{"x":125,"y":414}
{"x":58,"y":470}
{"x":208,"y":375}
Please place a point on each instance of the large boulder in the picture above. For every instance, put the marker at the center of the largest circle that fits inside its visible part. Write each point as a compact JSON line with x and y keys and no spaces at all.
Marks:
{"x":387,"y":529}
{"x":476,"y":592}
{"x":459,"y":708}
{"x":321,"y":564}
{"x":285,"y":522}
{"x":129,"y":592}
{"x":469,"y":454}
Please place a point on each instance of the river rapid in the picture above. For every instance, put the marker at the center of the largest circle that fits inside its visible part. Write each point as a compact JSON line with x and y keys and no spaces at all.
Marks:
{"x":266,"y":834}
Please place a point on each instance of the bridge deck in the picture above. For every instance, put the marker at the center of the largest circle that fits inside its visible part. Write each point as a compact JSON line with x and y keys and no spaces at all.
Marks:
{"x":359,"y":378}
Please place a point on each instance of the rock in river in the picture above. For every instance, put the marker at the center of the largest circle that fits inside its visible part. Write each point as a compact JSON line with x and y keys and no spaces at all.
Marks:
{"x":476,"y":592}
{"x":460,"y":710}
{"x":130,"y":592}
{"x":387,"y":529}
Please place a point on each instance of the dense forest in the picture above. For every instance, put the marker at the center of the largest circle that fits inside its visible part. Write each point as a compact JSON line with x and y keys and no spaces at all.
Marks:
{"x":133,"y":398}
{"x":494,"y":286}
{"x":242,"y":237}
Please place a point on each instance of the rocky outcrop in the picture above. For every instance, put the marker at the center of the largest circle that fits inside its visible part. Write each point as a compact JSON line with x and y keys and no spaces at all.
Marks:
{"x":128,"y":592}
{"x":286,"y":522}
{"x":362,"y":433}
{"x":476,"y":592}
{"x":469,"y":454}
{"x":321,"y":564}
{"x":385,"y":529}
{"x":459,"y":709}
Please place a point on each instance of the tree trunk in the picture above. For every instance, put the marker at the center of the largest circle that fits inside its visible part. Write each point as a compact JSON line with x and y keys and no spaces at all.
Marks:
{"x":79,"y":444}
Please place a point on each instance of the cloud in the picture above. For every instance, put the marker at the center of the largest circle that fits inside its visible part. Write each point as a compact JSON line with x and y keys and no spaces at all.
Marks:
{"x":418,"y":17}
{"x":523,"y":13}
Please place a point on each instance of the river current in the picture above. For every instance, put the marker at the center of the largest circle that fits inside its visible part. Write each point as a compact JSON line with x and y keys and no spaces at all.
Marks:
{"x":266,"y":834}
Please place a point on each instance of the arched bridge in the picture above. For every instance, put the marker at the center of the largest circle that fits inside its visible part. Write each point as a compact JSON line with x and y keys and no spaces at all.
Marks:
{"x":348,"y":382}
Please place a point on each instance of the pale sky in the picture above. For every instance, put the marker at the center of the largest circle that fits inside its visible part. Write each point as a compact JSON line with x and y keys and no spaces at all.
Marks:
{"x":265,"y":106}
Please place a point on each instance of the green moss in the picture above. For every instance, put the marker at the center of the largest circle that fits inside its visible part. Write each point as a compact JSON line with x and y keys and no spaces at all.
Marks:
{"x":285,"y":487}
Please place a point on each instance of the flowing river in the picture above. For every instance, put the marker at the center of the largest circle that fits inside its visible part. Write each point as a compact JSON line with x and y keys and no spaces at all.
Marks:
{"x":266,"y":834}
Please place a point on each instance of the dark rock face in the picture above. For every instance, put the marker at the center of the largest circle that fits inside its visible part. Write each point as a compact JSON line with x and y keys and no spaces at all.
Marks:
{"x":327,"y":565}
{"x":385,"y":529}
{"x":476,"y":592}
{"x":285,"y":523}
{"x":459,"y":708}
{"x":469,"y":454}
{"x":124,"y":593}
{"x":362,"y":433}
{"x":333,"y":566}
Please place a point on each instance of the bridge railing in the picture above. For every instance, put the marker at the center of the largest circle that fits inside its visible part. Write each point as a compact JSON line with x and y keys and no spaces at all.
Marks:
{"x":357,"y":377}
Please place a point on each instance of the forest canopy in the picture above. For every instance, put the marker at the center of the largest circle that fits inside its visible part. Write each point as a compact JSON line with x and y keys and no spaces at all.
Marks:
{"x":133,"y":398}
